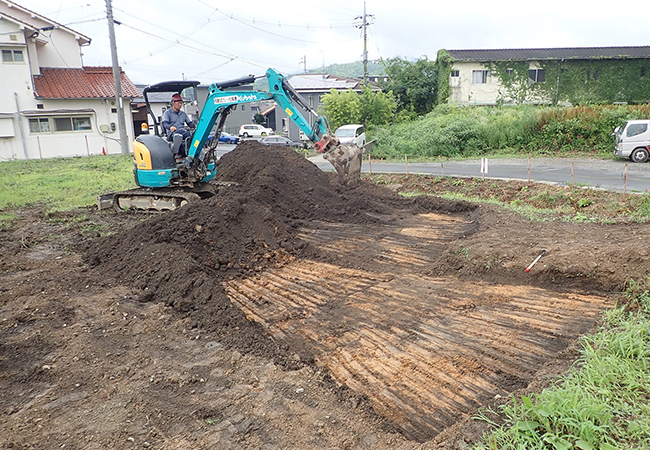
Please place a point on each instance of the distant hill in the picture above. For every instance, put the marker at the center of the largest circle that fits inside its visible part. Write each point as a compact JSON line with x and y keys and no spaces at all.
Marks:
{"x":352,"y":70}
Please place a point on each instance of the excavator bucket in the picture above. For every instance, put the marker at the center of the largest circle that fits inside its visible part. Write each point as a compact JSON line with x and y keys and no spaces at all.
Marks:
{"x":346,"y":159}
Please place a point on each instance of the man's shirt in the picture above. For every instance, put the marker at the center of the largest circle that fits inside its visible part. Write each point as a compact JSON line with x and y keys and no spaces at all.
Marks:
{"x":178,"y":119}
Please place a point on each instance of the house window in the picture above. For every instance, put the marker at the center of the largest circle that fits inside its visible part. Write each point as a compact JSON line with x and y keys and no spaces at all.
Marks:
{"x":480,"y":76}
{"x":455,"y":73}
{"x":537,"y":75}
{"x":42,"y":124}
{"x":13,"y":56}
{"x":81,"y":123}
{"x":72,"y":123}
{"x":63,"y":123}
{"x":509,"y":72}
{"x":39,"y":125}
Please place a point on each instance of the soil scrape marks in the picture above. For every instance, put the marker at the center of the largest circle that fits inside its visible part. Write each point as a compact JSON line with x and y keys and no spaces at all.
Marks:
{"x":424,"y":350}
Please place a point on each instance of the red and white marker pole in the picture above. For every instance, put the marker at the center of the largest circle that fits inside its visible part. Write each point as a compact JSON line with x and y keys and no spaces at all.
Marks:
{"x":534,"y":262}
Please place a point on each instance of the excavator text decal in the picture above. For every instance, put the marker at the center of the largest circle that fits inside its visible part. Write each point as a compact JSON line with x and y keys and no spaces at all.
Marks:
{"x":231,"y":99}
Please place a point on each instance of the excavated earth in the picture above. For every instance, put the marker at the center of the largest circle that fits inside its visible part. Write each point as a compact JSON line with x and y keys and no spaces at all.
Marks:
{"x":288,"y":313}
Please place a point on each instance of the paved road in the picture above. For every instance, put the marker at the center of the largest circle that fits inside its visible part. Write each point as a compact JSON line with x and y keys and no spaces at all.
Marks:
{"x":616,"y":175}
{"x":604,"y":174}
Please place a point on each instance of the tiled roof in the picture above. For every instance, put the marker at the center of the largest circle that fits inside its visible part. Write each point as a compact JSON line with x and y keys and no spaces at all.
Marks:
{"x":323,"y":82}
{"x":526,"y":54}
{"x":87,"y":82}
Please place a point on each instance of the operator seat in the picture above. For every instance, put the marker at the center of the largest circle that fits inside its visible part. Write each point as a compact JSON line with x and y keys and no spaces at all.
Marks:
{"x":178,"y":144}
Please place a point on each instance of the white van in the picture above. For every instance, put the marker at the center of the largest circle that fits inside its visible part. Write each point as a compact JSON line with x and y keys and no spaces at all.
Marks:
{"x":633,"y":140}
{"x":351,"y":134}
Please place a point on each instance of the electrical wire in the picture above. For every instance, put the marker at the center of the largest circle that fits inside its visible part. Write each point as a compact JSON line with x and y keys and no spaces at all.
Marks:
{"x":286,"y":37}
{"x":285,"y":25}
{"x":201,"y":48}
{"x":85,"y":21}
{"x":181,"y":44}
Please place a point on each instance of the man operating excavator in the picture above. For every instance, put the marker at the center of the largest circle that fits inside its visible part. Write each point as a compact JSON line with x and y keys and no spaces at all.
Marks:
{"x":174,"y":121}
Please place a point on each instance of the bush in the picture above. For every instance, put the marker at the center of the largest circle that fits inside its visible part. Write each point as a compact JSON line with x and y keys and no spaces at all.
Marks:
{"x":454,"y":131}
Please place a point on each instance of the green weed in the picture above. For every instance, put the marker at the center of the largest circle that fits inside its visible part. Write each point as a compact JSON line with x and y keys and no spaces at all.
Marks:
{"x":462,"y":251}
{"x":6,"y":220}
{"x":460,"y":132}
{"x":601,"y":403}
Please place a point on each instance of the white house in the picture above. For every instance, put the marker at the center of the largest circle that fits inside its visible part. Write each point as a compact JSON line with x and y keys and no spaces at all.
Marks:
{"x":472,"y":82}
{"x":50,"y":104}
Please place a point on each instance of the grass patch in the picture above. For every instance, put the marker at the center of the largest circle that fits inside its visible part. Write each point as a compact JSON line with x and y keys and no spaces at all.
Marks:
{"x":600,"y":404}
{"x":6,"y":220}
{"x":62,"y":184}
{"x":536,"y":201}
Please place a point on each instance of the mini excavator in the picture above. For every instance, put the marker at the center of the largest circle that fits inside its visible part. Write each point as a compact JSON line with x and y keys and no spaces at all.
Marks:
{"x":172,"y":171}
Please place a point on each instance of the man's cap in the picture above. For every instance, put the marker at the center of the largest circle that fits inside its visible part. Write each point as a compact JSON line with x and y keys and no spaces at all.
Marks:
{"x":176,"y":97}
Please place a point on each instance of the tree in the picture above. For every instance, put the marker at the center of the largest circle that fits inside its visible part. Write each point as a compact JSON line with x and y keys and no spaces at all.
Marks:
{"x":259,"y":119}
{"x":377,"y":108}
{"x":414,"y":84}
{"x":341,"y":108}
{"x":370,"y":108}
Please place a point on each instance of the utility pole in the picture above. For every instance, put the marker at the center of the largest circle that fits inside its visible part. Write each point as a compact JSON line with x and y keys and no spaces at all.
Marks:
{"x":364,"y":25}
{"x":303,"y":61}
{"x":117,"y":80}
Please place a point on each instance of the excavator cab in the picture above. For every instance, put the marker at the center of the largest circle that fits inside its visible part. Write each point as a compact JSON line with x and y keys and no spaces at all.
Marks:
{"x":160,"y":160}
{"x":162,"y":92}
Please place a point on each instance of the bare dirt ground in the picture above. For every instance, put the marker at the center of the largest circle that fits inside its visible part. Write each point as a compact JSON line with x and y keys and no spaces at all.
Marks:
{"x":288,"y":313}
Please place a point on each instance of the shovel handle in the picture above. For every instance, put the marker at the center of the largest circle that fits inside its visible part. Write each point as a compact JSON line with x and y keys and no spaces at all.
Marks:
{"x":535,"y":261}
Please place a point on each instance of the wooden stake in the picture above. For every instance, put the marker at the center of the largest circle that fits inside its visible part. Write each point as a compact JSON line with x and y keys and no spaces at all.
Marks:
{"x":442,"y":166}
{"x":529,"y":170}
{"x":369,"y":164}
{"x":406,"y":161}
{"x":40,"y":151}
{"x":625,"y":180}
{"x":572,"y":174}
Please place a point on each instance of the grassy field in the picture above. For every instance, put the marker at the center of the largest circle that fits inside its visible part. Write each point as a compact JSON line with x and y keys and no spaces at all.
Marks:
{"x":60,"y":184}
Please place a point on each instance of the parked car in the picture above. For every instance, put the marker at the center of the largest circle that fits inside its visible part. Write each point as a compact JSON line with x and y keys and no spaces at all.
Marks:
{"x":351,"y":134}
{"x":254,"y":130}
{"x":225,"y":138}
{"x":281,"y":140}
{"x":633,"y":140}
{"x":228,"y":138}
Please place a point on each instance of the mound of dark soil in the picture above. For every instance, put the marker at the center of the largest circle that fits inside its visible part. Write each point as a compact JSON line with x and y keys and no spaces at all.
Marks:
{"x":182,"y":257}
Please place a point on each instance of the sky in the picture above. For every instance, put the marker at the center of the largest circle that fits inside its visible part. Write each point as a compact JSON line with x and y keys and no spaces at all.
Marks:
{"x":216,"y":40}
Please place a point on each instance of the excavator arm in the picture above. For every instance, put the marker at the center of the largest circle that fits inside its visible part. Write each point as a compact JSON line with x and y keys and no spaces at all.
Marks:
{"x":346,"y":159}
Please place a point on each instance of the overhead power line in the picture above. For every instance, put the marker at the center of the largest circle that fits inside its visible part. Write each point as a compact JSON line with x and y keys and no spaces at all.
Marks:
{"x":253,"y":20}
